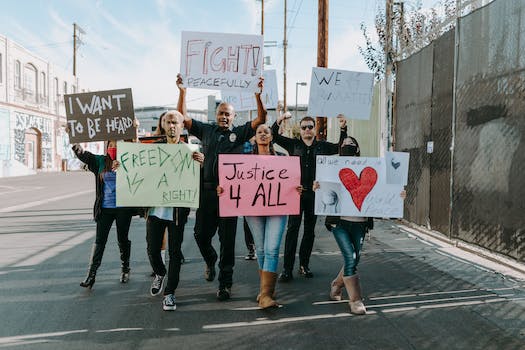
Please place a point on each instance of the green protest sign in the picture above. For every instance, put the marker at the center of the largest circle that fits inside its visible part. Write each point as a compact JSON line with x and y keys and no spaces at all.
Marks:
{"x":157,"y":175}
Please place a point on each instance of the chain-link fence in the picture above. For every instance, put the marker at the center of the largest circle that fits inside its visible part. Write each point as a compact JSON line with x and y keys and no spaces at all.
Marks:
{"x":472,"y":186}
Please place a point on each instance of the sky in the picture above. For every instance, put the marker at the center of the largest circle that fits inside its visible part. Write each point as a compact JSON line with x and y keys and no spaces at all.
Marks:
{"x":136,"y":43}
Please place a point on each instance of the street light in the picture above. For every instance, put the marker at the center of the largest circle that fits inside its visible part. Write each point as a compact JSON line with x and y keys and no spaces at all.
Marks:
{"x":303,"y":83}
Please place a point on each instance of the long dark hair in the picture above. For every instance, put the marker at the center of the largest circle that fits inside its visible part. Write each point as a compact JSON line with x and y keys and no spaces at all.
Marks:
{"x":160,"y":130}
{"x":108,"y":163}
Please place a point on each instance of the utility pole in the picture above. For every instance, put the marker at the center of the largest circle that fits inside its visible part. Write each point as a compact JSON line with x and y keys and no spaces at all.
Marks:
{"x":388,"y":73}
{"x":400,"y":32}
{"x":76,"y":43}
{"x":285,"y":44}
{"x":74,"y":49}
{"x":322,"y":57}
{"x":262,"y":17}
{"x":391,"y":102}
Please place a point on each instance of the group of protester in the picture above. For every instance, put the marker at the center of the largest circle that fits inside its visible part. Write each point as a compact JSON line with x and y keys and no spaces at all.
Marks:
{"x":267,"y":231}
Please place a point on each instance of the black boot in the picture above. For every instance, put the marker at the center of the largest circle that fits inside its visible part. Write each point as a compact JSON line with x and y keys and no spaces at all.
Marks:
{"x":125,"y":252}
{"x":94,"y":263}
{"x":89,"y":281}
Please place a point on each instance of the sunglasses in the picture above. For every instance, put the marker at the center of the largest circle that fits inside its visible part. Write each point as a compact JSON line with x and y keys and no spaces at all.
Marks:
{"x":309,"y":127}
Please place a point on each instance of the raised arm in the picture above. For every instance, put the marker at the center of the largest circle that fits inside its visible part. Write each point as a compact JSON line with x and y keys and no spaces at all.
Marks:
{"x":181,"y":103}
{"x":283,"y":141}
{"x":262,"y":113}
{"x":85,"y":157}
{"x":333,"y":148}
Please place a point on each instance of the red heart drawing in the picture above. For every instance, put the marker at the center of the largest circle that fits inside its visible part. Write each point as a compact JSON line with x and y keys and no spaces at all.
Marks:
{"x":359,"y":187}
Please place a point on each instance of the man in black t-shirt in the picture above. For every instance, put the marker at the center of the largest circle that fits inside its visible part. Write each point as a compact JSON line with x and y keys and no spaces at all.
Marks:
{"x":218,"y":139}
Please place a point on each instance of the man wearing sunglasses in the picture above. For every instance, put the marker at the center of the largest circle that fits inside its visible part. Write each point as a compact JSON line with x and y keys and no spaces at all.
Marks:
{"x":307,"y":148}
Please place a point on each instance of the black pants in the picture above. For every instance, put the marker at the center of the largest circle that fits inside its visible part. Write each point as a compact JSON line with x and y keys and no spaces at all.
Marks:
{"x":105,"y":220}
{"x":122,"y":217}
{"x":207,"y":221}
{"x":155,"y":228}
{"x":292,"y":233}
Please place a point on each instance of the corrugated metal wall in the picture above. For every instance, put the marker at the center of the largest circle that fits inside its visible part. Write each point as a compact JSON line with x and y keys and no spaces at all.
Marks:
{"x":488,"y":181}
{"x":412,"y":129}
{"x":441,"y":126}
{"x":489,"y":158}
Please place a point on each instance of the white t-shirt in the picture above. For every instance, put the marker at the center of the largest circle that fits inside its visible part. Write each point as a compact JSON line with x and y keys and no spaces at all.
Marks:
{"x":164,"y":213}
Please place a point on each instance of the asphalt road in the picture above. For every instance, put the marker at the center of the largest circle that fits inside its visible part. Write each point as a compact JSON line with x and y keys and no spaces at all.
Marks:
{"x":420,"y":294}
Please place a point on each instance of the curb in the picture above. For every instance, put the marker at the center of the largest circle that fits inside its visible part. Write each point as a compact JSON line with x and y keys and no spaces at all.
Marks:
{"x":467,"y":247}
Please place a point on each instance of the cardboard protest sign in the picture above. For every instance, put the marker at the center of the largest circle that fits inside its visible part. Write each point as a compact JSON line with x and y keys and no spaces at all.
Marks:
{"x":334,"y":91}
{"x":257,"y":185}
{"x":397,"y":167}
{"x":245,"y":101}
{"x":157,"y":175}
{"x":356,"y":186}
{"x":100,"y":116}
{"x":220,"y":61}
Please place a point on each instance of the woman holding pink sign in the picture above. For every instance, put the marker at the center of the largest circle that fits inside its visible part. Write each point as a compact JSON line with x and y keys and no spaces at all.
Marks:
{"x":267,"y":230}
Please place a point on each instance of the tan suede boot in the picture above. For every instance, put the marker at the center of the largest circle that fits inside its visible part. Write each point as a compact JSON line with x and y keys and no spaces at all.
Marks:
{"x":259,"y":295}
{"x":336,"y":288}
{"x":354,"y":295}
{"x":260,"y":284}
{"x":268,"y":280}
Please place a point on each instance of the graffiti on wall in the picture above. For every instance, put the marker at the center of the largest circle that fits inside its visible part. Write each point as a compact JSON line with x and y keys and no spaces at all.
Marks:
{"x":24,"y":122}
{"x":4,"y":135}
{"x":20,"y":139}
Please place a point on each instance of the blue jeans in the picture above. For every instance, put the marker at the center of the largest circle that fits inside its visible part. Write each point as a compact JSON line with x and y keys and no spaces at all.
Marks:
{"x":350,"y":236}
{"x":267,"y":234}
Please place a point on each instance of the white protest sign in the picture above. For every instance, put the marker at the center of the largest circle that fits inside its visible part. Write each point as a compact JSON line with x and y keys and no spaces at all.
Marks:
{"x":397,"y":167}
{"x":220,"y":61}
{"x":334,"y":91}
{"x":355,"y":186}
{"x":244,"y":101}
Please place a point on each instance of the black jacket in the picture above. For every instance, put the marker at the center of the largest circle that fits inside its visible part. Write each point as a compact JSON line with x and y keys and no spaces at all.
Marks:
{"x":296,"y":147}
{"x":216,"y":141}
{"x":95,"y":164}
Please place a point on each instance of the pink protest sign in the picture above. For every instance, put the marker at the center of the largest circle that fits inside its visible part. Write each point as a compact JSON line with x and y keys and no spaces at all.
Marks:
{"x":256,"y":185}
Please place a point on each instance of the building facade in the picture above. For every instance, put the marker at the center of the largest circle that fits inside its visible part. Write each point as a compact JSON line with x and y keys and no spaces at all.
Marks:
{"x":32,"y":113}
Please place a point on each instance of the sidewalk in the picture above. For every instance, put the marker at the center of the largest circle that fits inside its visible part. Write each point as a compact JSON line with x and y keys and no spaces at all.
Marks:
{"x":441,"y":296}
{"x":397,"y":236}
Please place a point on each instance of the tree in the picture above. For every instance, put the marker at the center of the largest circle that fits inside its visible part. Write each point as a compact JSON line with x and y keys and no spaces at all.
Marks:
{"x":412,"y":30}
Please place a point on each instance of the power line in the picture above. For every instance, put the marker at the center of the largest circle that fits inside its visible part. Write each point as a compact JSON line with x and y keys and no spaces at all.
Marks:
{"x":293,"y":20}
{"x":278,"y":65}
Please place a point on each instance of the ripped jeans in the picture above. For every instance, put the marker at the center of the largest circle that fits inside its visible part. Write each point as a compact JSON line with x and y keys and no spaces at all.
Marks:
{"x":349,"y":237}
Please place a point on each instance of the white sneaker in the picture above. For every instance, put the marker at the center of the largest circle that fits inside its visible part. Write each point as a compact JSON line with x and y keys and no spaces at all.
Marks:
{"x":168,"y":304}
{"x":156,"y":285}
